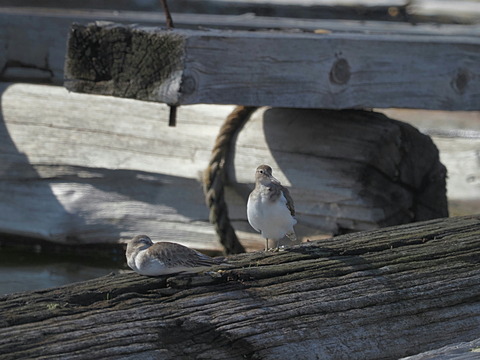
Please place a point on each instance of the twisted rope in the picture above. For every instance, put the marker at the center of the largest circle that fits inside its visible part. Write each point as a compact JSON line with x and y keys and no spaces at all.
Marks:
{"x":214,"y":179}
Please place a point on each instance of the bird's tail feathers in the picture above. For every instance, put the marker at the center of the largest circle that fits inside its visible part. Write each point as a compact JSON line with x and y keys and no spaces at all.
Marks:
{"x":292,"y":236}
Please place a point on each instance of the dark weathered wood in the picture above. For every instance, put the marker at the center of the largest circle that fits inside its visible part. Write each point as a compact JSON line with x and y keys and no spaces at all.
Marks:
{"x":282,"y":69}
{"x":376,"y":295}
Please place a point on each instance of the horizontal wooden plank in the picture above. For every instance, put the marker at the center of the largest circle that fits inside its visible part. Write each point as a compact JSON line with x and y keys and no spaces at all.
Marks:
{"x":70,"y":175}
{"x":281,"y":69}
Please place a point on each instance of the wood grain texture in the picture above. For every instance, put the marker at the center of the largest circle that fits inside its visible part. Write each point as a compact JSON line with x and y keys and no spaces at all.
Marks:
{"x":93,"y":169}
{"x":281,"y":69}
{"x":378,"y":295}
{"x":88,"y":169}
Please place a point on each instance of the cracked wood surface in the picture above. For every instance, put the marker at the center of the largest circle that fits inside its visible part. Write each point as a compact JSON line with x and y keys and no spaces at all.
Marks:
{"x":382,"y":294}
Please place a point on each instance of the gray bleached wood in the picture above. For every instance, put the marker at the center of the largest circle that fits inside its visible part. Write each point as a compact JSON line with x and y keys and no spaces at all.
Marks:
{"x":280,"y":69}
{"x":90,"y":169}
{"x":374,"y":295}
{"x":345,"y":169}
{"x":395,"y":11}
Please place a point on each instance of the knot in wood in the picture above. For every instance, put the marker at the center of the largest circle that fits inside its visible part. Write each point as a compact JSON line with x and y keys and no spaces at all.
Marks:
{"x":460,"y":81}
{"x":340,"y":73}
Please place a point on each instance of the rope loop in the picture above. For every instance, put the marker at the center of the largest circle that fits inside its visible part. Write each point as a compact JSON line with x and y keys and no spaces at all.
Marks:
{"x":215,"y":178}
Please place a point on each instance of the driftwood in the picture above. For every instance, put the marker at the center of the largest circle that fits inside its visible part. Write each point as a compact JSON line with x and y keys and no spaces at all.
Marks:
{"x":280,"y":69}
{"x":90,"y":169}
{"x":382,"y":294}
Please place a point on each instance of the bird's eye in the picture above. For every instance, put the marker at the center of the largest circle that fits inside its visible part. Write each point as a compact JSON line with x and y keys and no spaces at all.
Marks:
{"x":260,"y":171}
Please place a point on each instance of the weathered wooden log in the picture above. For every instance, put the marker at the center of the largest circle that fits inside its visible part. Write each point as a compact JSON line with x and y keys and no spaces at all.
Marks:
{"x":382,"y":294}
{"x":280,"y":69}
{"x":91,"y":169}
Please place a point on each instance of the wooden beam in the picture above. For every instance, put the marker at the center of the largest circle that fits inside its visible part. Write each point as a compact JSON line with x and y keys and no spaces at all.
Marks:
{"x":383,"y":294}
{"x":281,"y":69}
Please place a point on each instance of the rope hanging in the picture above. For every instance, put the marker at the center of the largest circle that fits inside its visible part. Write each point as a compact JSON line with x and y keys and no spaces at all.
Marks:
{"x":214,"y":179}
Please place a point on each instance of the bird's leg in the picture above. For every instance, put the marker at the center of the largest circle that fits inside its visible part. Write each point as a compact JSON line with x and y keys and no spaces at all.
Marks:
{"x":266,"y":244}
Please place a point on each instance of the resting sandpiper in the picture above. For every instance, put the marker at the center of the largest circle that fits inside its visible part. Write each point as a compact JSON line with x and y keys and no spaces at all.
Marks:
{"x":161,"y":258}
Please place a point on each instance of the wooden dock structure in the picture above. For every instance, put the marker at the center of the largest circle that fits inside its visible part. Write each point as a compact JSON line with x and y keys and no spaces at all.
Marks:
{"x":81,"y":168}
{"x":36,"y":43}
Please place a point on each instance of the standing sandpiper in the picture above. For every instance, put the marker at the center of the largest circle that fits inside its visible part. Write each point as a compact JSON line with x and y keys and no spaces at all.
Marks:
{"x":270,"y":208}
{"x":161,"y":258}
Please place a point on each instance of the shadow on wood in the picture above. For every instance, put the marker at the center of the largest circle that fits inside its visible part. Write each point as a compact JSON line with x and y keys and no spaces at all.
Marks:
{"x":381,"y":294}
{"x":347,"y":170}
{"x":94,"y":169}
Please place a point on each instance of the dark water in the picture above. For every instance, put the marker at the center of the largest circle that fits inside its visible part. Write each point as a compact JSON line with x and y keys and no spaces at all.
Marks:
{"x":37,"y":267}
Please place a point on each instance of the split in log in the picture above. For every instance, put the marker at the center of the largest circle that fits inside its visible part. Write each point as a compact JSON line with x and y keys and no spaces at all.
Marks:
{"x":280,"y":69}
{"x":94,"y":169}
{"x":382,"y":294}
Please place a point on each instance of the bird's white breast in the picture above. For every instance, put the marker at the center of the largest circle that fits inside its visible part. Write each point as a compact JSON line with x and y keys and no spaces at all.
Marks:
{"x":272,"y":218}
{"x":147,"y":264}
